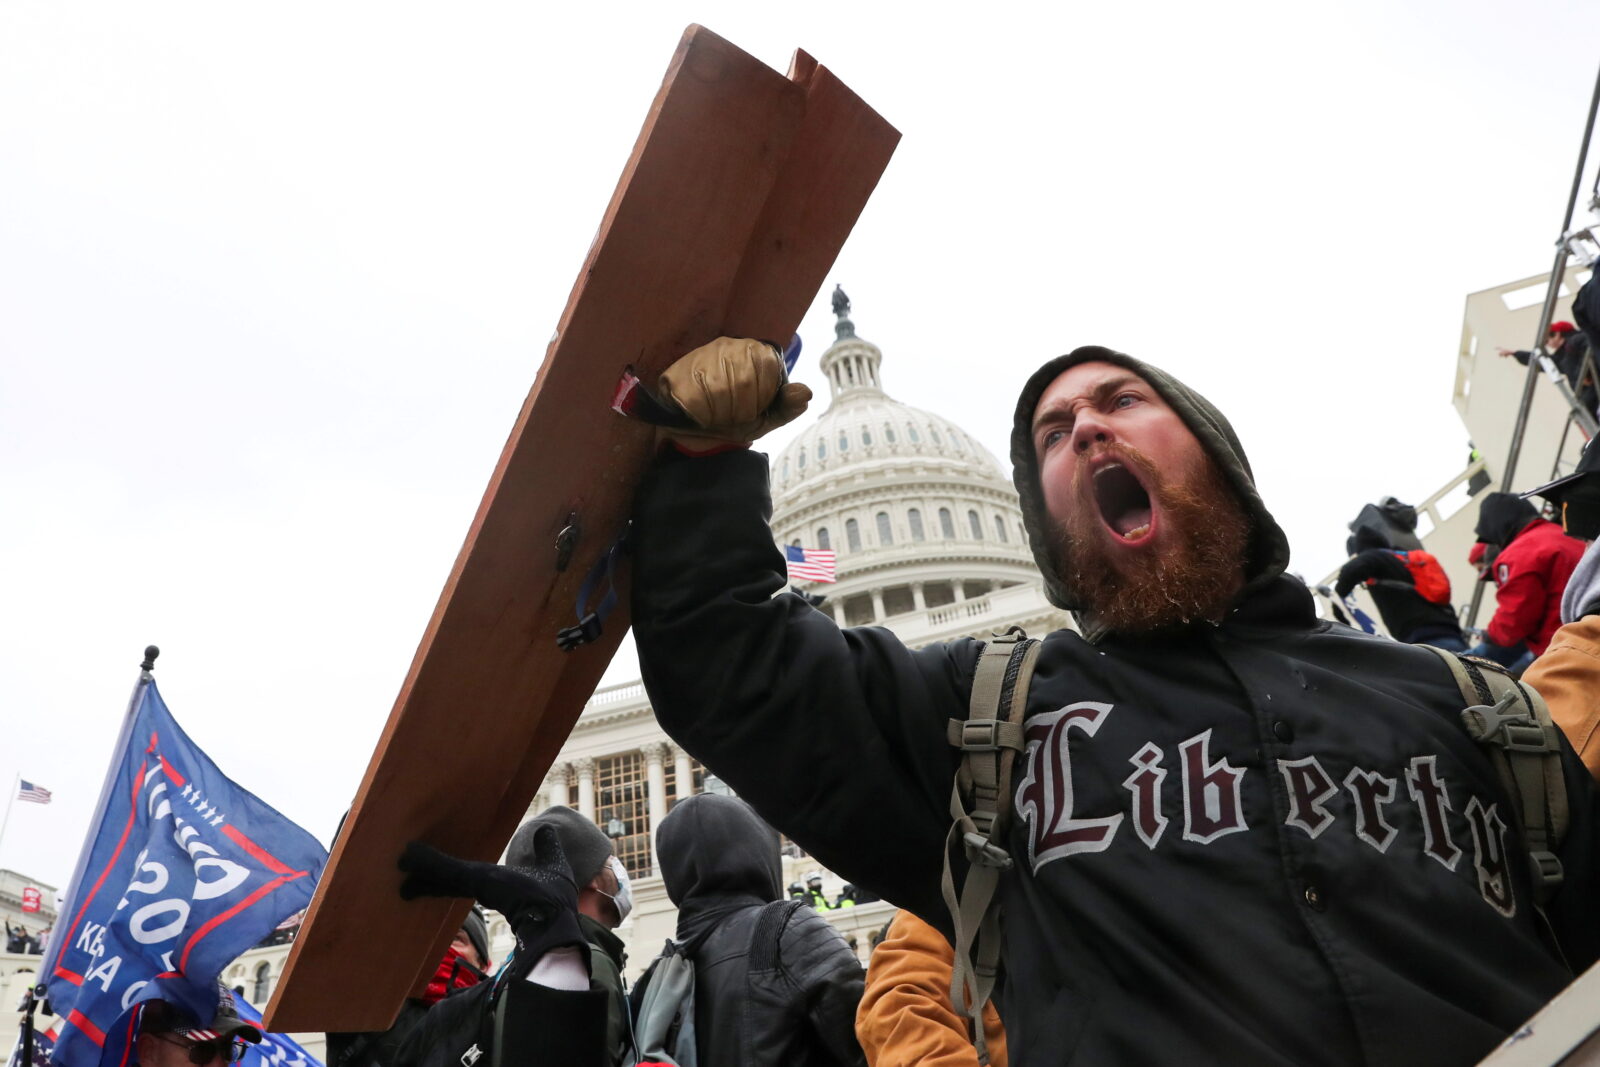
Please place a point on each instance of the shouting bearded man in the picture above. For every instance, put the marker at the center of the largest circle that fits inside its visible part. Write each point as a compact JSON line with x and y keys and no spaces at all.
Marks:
{"x":1241,"y":835}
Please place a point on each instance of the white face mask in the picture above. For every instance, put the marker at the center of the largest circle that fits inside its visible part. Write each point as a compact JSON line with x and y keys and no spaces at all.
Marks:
{"x":624,"y":895}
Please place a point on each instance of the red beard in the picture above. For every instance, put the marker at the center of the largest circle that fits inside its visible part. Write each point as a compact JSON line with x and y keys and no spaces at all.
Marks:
{"x":1193,"y":575}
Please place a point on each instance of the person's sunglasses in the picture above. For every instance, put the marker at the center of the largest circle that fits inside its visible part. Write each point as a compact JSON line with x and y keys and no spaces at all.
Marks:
{"x":224,"y":1048}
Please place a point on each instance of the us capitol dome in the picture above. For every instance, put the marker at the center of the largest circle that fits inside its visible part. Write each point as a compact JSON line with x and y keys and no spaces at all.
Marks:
{"x":925,"y":524}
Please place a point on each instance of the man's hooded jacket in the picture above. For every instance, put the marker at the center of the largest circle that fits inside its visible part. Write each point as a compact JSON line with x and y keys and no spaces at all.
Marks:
{"x":1263,"y":841}
{"x":721,"y":867}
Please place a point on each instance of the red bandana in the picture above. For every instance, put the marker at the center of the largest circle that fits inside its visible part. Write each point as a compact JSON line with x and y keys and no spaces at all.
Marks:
{"x":453,"y":973}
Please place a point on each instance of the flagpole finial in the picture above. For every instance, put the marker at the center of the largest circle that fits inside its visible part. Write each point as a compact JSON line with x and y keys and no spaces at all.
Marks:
{"x":150,"y":654}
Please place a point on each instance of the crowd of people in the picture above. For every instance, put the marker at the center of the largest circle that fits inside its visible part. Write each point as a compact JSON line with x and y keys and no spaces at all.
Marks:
{"x":19,"y":941}
{"x":1207,"y":826}
{"x":1227,"y":816}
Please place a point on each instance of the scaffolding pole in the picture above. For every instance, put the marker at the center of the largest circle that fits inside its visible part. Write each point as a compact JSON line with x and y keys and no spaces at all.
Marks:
{"x":1546,"y":314}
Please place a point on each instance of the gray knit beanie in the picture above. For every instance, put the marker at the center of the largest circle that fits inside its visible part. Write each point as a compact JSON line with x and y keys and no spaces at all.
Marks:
{"x":586,"y":846}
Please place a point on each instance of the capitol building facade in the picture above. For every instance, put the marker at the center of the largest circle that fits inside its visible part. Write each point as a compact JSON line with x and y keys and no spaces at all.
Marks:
{"x":929,"y":543}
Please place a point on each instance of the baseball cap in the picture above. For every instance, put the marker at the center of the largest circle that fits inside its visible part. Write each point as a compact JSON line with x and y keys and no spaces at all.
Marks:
{"x":1576,"y":496}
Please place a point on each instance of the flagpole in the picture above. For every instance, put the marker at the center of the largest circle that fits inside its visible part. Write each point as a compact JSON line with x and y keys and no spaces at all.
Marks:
{"x":58,"y":937}
{"x":16,"y":783}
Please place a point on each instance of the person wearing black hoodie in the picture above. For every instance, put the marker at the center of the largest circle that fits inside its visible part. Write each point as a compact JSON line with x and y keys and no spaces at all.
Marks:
{"x":1240,"y":834}
{"x":1530,"y":573}
{"x":1409,"y":616}
{"x":720,"y":865}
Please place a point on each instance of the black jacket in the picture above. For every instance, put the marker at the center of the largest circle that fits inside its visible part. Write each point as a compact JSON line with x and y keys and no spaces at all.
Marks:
{"x":1408,"y":615}
{"x":1569,"y":360}
{"x":1231,"y":842}
{"x":607,"y":957}
{"x":509,"y":1021}
{"x":754,"y":1006}
{"x":539,"y":1027}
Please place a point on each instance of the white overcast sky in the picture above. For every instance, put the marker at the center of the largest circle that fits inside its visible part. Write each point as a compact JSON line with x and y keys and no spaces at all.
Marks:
{"x":275,"y":279}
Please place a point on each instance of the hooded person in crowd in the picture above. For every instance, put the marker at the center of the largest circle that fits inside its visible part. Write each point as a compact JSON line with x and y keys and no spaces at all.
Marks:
{"x":1530,"y":571}
{"x":542,"y":1007}
{"x":1568,"y":674}
{"x":1240,"y":834}
{"x":1407,"y":614}
{"x":605,"y":898}
{"x":721,"y":867}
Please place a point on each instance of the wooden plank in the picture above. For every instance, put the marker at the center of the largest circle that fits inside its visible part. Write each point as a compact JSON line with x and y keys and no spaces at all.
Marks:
{"x":740,"y":191}
{"x":1564,"y":1031}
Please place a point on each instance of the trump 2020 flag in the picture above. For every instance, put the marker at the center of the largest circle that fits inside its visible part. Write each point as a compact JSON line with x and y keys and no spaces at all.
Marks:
{"x":181,"y":872}
{"x":275,"y":1050}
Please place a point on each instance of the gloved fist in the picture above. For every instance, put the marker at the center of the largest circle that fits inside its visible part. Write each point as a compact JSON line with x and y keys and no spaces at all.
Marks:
{"x":541,"y":900}
{"x":735,"y":391}
{"x":544,"y":889}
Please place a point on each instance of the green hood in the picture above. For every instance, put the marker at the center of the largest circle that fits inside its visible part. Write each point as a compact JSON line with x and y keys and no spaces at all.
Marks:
{"x":1269,"y":548}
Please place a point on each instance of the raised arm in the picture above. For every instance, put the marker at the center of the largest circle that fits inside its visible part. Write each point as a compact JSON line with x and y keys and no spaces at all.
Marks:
{"x":1359,"y":568}
{"x":837,"y":737}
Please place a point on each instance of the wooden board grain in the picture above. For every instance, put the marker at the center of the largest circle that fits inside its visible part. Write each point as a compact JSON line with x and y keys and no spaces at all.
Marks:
{"x":739,"y":193}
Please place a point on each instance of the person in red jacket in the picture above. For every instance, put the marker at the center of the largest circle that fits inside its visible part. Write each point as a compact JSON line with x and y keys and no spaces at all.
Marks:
{"x":1531,"y":571}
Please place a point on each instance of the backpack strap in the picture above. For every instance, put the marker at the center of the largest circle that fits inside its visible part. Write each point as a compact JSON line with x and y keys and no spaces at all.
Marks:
{"x":768,"y":933}
{"x":989,"y":739}
{"x":1511,"y":721}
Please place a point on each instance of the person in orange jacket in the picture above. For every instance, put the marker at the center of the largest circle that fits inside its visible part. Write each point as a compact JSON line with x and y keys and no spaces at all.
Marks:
{"x":906,"y":1018}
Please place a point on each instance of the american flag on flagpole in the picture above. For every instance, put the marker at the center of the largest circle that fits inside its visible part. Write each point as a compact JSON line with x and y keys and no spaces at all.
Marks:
{"x":38,"y":794}
{"x":810,"y":564}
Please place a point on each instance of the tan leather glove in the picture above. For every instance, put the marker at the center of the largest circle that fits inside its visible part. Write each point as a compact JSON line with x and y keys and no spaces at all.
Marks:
{"x":734,"y":390}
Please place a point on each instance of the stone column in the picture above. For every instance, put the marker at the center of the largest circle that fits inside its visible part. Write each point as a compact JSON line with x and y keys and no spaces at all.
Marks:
{"x":918,"y":600}
{"x":836,"y":609}
{"x":585,"y":768}
{"x":959,"y":587}
{"x":556,"y":787}
{"x":878,"y":614}
{"x":655,"y":777}
{"x":683,"y":769}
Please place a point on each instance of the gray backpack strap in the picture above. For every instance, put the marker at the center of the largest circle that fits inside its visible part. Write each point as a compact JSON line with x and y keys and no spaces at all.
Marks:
{"x":1514,"y":726}
{"x":990,"y":738}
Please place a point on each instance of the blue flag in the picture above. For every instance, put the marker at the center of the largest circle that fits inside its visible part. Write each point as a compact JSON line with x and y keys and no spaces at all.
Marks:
{"x":275,"y":1050}
{"x":181,"y":872}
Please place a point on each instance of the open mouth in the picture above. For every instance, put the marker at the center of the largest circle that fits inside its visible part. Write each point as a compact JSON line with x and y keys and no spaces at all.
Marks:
{"x":1124,"y":505}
